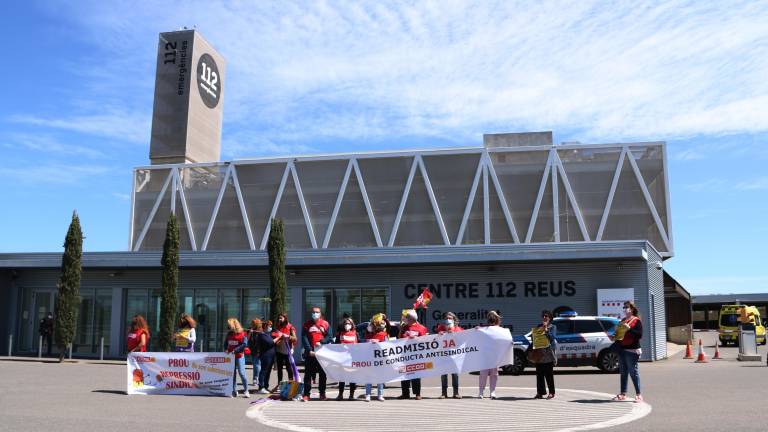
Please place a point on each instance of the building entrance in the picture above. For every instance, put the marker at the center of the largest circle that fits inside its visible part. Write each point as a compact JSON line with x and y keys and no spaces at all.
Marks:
{"x":359,"y":303}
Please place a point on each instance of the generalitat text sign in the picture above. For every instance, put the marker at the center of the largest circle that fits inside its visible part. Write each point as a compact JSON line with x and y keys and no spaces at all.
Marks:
{"x":402,"y":359}
{"x":180,"y":373}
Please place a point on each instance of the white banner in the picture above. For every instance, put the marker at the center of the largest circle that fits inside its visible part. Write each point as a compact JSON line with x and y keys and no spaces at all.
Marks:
{"x":610,"y":302}
{"x":180,"y":373}
{"x":402,"y":359}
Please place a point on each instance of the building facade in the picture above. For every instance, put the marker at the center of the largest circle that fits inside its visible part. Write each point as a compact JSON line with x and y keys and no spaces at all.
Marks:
{"x":512,"y":228}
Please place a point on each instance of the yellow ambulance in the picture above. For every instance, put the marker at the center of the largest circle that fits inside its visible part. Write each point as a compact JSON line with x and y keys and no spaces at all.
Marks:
{"x":733,"y":315}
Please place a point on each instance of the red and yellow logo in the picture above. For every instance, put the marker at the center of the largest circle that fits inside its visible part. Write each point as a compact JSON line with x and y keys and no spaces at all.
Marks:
{"x":416,"y":367}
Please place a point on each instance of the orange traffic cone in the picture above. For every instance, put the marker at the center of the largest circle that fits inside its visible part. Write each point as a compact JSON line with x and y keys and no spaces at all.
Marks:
{"x":717,"y":350}
{"x":688,"y":350}
{"x":702,"y":357}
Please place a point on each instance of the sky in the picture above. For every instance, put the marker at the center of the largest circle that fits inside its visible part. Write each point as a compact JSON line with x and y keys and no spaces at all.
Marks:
{"x":319,"y":77}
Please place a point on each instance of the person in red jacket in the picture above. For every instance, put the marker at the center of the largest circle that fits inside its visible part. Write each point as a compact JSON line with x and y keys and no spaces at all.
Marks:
{"x":138,"y":337}
{"x":632,"y":329}
{"x":316,"y":332}
{"x":450,"y":324}
{"x":411,"y":329}
{"x":376,"y":332}
{"x":348,"y":335}
{"x":284,"y":337}
{"x":237,"y":342}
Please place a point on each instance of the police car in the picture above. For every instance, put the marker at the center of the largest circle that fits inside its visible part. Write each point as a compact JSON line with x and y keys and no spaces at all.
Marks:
{"x":581,"y":341}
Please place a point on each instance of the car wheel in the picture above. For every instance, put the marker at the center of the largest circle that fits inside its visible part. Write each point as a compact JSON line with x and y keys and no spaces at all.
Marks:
{"x":608,"y":361}
{"x":518,"y":366}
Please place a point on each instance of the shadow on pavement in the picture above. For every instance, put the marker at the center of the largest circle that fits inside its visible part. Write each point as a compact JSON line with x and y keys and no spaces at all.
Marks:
{"x":117,"y":392}
{"x":593,"y":401}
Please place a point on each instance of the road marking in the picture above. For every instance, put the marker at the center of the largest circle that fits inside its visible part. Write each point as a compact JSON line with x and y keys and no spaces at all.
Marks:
{"x":570,"y":411}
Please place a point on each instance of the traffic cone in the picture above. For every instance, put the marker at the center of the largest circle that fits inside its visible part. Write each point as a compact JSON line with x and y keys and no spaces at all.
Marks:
{"x":717,"y":351}
{"x":688,"y":350}
{"x":702,"y":357}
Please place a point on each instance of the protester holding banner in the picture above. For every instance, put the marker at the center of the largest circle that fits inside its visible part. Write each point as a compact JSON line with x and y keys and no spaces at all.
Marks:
{"x":628,"y":333}
{"x":237,"y":343}
{"x":185,"y":338}
{"x":316,"y":332}
{"x":450,"y":324}
{"x":377,"y":331}
{"x":348,"y":335}
{"x":494,"y":319}
{"x":411,"y":329}
{"x":285,"y":339}
{"x":138,"y":336}
{"x":253,"y":331}
{"x":541,"y":352}
{"x":265,"y":346}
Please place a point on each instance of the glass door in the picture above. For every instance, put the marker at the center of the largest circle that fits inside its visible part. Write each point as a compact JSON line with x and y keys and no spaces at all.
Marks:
{"x":42,"y":303}
{"x":359,"y":303}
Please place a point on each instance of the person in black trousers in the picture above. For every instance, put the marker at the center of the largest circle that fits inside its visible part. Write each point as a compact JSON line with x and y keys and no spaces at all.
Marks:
{"x":46,"y":331}
{"x":266,"y":349}
{"x":545,"y":347}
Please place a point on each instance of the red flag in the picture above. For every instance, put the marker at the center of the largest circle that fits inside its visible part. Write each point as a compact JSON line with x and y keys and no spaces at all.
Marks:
{"x":423,"y":300}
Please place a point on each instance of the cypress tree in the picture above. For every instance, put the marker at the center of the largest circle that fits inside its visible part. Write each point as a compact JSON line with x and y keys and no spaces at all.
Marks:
{"x":169,"y":297}
{"x":277,"y":286}
{"x":68,"y":300}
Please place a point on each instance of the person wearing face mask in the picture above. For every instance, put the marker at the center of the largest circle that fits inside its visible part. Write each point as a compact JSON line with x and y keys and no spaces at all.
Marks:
{"x":265,"y":346}
{"x":450,"y":324}
{"x":347,"y":335}
{"x":316,"y":332}
{"x":284,"y":336}
{"x":542,"y":352}
{"x":628,"y":333}
{"x":411,"y":329}
{"x":46,"y":331}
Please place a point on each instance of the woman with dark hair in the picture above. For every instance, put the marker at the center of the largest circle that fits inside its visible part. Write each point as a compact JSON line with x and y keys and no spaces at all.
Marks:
{"x":253,"y":332}
{"x":138,"y":337}
{"x":541,"y":352}
{"x":628,"y":334}
{"x":265,"y":346}
{"x":284,"y":336}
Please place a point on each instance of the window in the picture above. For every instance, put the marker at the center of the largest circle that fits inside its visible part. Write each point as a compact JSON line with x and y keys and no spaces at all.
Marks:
{"x":564,"y":327}
{"x":588,"y":326}
{"x":608,"y":325}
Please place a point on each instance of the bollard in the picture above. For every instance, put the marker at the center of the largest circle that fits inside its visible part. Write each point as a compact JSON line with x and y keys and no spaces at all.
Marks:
{"x":202,"y":346}
{"x":40,"y":347}
{"x":10,"y":344}
{"x":101,"y":356}
{"x":70,"y":351}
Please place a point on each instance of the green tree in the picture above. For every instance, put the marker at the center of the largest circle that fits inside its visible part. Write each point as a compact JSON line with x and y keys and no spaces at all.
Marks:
{"x":68,"y":300}
{"x":277,"y":286}
{"x":169,"y":297}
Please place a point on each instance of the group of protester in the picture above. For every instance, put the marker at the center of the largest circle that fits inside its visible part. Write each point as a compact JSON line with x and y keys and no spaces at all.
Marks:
{"x":271,"y":347}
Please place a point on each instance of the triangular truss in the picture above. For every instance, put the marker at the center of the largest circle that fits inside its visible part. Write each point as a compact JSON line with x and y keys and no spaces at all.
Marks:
{"x":485,"y":175}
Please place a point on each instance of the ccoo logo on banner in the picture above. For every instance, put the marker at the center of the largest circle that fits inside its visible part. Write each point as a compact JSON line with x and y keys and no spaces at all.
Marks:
{"x":180,"y":373}
{"x":402,"y":359}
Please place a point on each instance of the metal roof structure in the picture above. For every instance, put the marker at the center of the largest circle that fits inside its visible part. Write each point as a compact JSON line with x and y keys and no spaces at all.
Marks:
{"x":588,"y":193}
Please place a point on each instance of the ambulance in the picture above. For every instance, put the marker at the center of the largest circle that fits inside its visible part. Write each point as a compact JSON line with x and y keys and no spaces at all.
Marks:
{"x":733,"y":315}
{"x":581,"y":341}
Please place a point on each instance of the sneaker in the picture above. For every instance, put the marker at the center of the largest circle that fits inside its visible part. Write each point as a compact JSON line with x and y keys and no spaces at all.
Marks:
{"x":443,"y":396}
{"x":638,"y":398}
{"x":339,"y":397}
{"x":381,"y":398}
{"x":418,"y":397}
{"x":246,"y":394}
{"x":367,"y":398}
{"x":305,"y":398}
{"x":480,"y":395}
{"x":493,"y":395}
{"x":456,"y":396}
{"x":551,"y":396}
{"x":263,"y":391}
{"x":234,"y":394}
{"x":322,"y":397}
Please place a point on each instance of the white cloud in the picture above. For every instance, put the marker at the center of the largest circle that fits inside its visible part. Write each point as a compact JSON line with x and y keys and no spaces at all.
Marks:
{"x":347,"y":70}
{"x":116,"y":124}
{"x":760,"y":183}
{"x":53,"y":173}
{"x":121,"y":196}
{"x":48,"y":144}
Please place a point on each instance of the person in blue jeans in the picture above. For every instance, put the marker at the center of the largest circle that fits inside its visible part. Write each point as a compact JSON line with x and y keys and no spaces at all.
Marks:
{"x":628,"y":334}
{"x":253,"y":332}
{"x":265,"y":345}
{"x":237,"y":343}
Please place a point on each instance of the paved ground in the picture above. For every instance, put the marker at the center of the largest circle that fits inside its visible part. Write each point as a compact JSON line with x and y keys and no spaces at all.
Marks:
{"x":684,"y":396}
